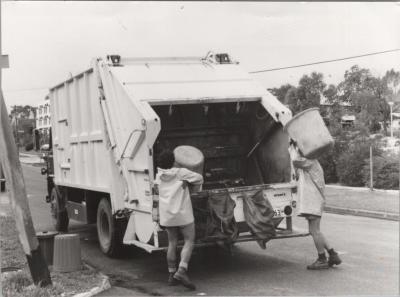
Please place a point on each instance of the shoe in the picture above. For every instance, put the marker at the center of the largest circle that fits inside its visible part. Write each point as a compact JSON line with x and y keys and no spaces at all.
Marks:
{"x":318,"y":265}
{"x":183,"y":278}
{"x":171,"y":280}
{"x":334,"y":259}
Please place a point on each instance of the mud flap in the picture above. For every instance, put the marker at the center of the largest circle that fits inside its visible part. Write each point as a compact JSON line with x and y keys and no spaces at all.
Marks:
{"x":130,"y":232}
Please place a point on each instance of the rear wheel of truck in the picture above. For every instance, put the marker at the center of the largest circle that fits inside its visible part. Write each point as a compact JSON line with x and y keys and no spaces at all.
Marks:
{"x":59,"y":215}
{"x":109,"y":235}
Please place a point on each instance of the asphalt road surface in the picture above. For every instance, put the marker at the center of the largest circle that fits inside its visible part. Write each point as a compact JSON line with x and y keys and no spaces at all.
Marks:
{"x":369,"y":249}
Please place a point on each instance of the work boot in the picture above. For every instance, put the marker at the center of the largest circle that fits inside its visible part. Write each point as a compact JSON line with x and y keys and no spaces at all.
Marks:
{"x":320,"y":263}
{"x":334,"y":258}
{"x":181,"y":276}
{"x":171,"y":280}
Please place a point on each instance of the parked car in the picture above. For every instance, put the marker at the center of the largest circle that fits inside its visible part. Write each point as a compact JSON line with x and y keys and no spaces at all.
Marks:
{"x":45,"y":147}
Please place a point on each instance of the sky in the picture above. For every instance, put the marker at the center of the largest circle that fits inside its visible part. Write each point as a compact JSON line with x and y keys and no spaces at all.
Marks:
{"x":48,"y":41}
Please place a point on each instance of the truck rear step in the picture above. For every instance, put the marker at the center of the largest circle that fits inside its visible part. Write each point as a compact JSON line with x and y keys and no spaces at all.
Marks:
{"x":280,"y":234}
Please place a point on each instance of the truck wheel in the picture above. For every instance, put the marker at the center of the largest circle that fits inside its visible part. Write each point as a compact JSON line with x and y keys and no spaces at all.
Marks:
{"x":108,"y":232}
{"x":60,"y":217}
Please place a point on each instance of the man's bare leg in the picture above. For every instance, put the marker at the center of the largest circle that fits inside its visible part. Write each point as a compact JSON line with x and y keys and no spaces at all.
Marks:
{"x":188,"y":233}
{"x":171,"y":253}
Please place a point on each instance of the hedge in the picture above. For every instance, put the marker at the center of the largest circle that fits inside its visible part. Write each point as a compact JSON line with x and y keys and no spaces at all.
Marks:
{"x":385,"y":172}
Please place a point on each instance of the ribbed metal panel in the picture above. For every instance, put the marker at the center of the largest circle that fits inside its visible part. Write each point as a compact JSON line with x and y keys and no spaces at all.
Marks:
{"x":67,"y":253}
{"x":46,"y":241}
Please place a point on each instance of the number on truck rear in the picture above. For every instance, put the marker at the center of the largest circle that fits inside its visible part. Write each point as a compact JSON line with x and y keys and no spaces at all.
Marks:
{"x":281,"y":200}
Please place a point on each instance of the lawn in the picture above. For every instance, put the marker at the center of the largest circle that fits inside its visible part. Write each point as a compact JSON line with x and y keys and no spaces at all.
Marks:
{"x":363,"y":200}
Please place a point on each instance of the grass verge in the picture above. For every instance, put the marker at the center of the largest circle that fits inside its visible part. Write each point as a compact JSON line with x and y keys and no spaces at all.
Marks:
{"x":363,"y":200}
{"x":16,"y":279}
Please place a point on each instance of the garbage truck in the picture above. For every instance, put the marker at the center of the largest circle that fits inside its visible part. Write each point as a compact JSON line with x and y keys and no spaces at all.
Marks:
{"x":110,"y":122}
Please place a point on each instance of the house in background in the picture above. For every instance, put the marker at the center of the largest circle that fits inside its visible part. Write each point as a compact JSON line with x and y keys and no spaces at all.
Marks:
{"x":22,"y":124}
{"x":348,"y":115}
{"x":43,"y":124}
{"x":348,"y":120}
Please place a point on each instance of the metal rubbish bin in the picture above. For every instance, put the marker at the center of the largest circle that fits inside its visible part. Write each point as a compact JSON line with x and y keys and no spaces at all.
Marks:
{"x":46,"y":242}
{"x":67,"y":253}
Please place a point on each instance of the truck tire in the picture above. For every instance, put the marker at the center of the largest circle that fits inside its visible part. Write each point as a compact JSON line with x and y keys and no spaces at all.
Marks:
{"x":110,"y":239}
{"x":60,"y":216}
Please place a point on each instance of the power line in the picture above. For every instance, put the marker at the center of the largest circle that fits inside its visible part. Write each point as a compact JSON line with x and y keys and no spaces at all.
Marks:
{"x":326,"y":61}
{"x":259,"y":71}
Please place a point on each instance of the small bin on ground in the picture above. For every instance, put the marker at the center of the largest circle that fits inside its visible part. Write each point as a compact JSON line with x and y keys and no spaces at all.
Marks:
{"x":46,"y":242}
{"x":67,"y":253}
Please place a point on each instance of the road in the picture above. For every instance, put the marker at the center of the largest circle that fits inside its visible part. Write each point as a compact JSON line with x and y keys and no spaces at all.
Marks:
{"x":369,"y":249}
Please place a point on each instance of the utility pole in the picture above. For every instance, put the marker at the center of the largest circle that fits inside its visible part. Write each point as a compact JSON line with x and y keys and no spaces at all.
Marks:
{"x":19,"y":201}
{"x":391,"y":118}
{"x":371,"y":173}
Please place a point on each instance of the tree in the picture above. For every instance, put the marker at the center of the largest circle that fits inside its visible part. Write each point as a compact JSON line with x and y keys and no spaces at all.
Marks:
{"x":281,"y":92}
{"x":392,"y":81}
{"x":335,"y":112}
{"x":354,"y":81}
{"x":310,"y":89}
{"x":306,"y":95}
{"x":370,"y":114}
{"x":331,"y":94}
{"x":368,"y":96}
{"x":22,"y":111}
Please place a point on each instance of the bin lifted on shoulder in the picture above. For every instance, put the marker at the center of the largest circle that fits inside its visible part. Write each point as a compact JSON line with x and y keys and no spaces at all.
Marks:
{"x":110,"y":122}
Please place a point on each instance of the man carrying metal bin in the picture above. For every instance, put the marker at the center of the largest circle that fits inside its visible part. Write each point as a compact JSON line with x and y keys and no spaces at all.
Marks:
{"x":306,"y":145}
{"x":311,"y":201}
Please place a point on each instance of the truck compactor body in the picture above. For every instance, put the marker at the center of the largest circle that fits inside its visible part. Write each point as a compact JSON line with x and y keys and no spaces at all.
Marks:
{"x":110,"y":122}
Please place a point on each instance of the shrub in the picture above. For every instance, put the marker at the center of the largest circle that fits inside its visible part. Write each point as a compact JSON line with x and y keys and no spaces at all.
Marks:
{"x":328,"y":164}
{"x":329,"y":161}
{"x":385,"y":172}
{"x":29,"y":146}
{"x":352,"y":162}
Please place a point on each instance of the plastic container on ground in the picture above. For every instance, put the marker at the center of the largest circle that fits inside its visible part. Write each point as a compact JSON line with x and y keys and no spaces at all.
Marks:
{"x":46,"y":242}
{"x":309,"y":131}
{"x":67,"y":253}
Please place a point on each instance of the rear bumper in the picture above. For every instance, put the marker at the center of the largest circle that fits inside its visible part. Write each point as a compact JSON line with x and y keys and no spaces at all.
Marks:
{"x":245,"y":237}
